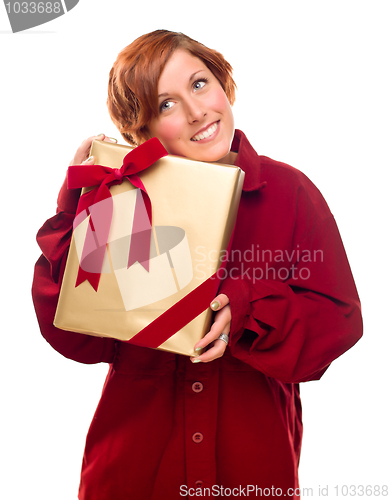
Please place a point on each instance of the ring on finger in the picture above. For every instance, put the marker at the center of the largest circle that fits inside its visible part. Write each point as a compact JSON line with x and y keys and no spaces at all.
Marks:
{"x":224,"y":337}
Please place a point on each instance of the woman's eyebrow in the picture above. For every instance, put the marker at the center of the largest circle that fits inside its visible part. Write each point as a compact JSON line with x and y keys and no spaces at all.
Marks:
{"x":165,"y":94}
{"x":194,"y":74}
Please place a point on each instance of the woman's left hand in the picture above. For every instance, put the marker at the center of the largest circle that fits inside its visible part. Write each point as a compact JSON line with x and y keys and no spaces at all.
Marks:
{"x":221,"y":325}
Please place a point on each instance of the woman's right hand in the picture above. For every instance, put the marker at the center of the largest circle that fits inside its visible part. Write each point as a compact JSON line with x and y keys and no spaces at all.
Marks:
{"x":68,"y":198}
{"x":82,"y":154}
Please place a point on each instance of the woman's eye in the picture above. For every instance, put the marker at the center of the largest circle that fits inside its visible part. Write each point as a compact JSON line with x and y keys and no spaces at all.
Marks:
{"x":166,"y":105}
{"x":199,"y":84}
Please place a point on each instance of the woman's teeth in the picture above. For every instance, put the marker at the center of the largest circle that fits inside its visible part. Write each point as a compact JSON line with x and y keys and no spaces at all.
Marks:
{"x":206,"y":133}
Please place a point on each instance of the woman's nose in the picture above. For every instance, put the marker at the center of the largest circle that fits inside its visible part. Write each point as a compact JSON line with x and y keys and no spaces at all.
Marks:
{"x":195,"y":110}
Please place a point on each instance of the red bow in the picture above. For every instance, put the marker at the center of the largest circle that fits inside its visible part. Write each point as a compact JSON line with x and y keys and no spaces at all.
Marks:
{"x":98,"y":204}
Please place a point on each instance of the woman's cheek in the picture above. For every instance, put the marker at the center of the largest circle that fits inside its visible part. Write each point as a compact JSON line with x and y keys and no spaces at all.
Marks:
{"x":218,"y":101}
{"x":170,"y":133}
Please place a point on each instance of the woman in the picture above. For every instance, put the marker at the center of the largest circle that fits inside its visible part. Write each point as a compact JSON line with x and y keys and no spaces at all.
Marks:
{"x":227,"y":422}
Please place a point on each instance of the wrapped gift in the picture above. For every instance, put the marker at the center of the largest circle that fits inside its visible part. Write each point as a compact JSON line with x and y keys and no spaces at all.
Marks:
{"x":150,"y":240}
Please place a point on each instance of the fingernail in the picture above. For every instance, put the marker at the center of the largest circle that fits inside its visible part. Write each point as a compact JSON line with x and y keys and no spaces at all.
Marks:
{"x":215,"y":305}
{"x":197,"y":361}
{"x":99,"y":135}
{"x":112,"y":139}
{"x":88,"y":159}
{"x":198,"y":349}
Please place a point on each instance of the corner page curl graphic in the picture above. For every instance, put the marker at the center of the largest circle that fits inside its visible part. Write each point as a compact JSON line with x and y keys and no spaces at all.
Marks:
{"x":24,"y":15}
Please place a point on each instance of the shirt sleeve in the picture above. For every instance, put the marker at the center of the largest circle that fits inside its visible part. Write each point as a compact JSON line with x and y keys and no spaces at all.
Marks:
{"x":291,"y":329}
{"x":54,"y":239}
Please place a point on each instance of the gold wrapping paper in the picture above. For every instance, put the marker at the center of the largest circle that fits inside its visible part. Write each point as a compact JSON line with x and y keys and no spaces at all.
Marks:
{"x":194,"y":208}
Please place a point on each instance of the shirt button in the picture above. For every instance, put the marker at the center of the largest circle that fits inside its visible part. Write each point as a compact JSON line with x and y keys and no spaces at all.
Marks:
{"x":197,"y":437}
{"x":198,"y":484}
{"x":197,"y":387}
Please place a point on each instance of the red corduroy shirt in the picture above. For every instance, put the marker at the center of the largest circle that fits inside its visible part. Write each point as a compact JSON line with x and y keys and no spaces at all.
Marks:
{"x":169,"y":429}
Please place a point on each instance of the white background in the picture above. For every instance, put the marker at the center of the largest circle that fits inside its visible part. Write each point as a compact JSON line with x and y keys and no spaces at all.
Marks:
{"x":313,"y":91}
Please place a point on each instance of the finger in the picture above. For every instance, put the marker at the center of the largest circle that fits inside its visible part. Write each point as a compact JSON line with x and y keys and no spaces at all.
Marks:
{"x":103,"y":137}
{"x":216,"y":351}
{"x":219,"y":302}
{"x":89,"y":161}
{"x":220,"y":325}
{"x":110,"y":139}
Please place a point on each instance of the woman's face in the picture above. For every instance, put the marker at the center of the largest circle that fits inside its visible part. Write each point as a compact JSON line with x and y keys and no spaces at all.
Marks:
{"x":195,"y":118}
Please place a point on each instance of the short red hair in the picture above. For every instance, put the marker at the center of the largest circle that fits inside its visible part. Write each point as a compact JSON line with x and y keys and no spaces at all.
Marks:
{"x":132,"y":89}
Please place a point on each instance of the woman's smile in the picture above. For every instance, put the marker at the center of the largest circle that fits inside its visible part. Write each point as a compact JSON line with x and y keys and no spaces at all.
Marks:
{"x":207,"y":132}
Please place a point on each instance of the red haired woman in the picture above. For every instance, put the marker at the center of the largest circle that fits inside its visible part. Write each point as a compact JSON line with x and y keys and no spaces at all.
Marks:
{"x":227,"y":422}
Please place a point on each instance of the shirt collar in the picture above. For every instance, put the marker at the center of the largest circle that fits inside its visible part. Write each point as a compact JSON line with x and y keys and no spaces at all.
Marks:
{"x":248,"y":160}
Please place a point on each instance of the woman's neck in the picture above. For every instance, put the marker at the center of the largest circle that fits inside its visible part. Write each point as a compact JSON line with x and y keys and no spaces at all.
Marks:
{"x":229,"y":159}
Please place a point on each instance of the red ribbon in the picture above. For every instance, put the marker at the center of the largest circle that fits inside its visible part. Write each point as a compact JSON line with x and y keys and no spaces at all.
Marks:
{"x":98,"y":204}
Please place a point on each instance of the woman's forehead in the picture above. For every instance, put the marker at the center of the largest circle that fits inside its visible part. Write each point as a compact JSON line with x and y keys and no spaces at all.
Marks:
{"x":181,"y":67}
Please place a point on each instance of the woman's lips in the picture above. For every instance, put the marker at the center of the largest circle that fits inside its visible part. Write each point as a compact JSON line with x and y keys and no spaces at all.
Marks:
{"x":205,"y":134}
